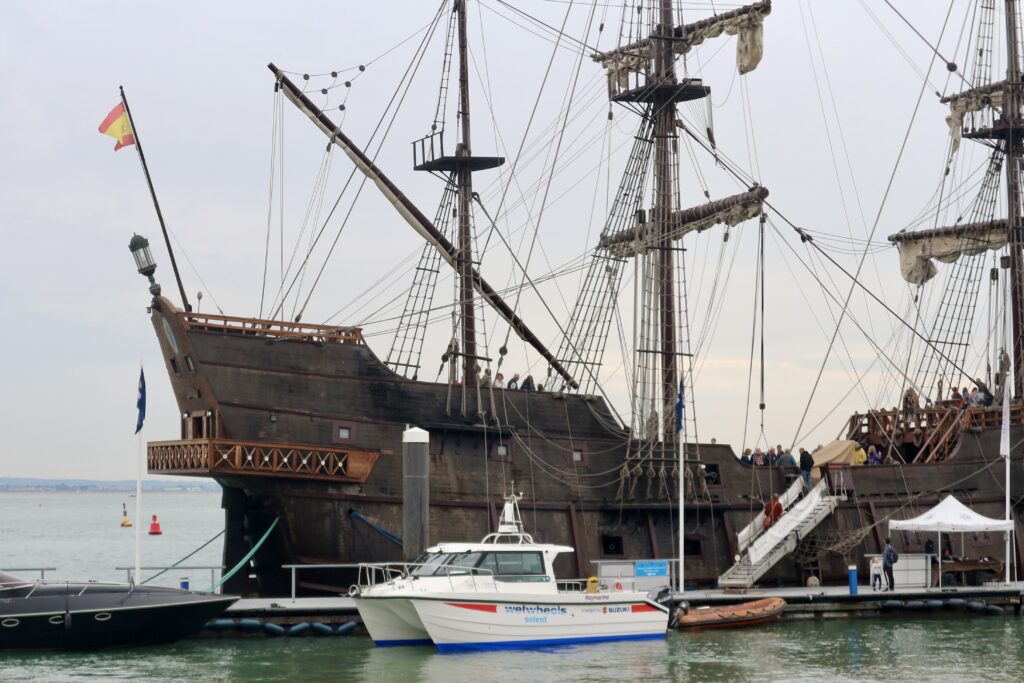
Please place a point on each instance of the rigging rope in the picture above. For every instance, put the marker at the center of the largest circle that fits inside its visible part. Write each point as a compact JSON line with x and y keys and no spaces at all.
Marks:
{"x":871,"y":235}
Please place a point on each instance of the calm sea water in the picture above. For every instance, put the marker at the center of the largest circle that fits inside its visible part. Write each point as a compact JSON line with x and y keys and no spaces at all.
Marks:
{"x":78,"y":533}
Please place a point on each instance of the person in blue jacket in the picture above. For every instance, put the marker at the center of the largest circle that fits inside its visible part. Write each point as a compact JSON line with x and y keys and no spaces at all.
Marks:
{"x":889,"y":558}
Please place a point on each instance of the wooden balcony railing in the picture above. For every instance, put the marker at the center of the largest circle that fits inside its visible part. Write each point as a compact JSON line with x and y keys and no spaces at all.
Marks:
{"x":210,"y":457}
{"x":934,"y":429}
{"x":276,"y":329}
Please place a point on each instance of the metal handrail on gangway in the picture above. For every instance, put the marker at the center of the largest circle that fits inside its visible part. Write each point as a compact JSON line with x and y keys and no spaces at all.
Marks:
{"x":750,"y":532}
{"x":772,"y":544}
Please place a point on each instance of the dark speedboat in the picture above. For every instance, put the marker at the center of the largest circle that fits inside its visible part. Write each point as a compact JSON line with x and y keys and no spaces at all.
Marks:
{"x":62,"y":615}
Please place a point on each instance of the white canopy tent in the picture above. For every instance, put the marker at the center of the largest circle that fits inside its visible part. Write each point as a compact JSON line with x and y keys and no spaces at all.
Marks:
{"x":952,"y":516}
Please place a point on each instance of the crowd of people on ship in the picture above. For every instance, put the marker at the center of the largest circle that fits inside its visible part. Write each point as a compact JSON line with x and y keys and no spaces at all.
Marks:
{"x":499,"y":382}
{"x":783,"y":457}
{"x":979,"y":396}
{"x":775,"y":457}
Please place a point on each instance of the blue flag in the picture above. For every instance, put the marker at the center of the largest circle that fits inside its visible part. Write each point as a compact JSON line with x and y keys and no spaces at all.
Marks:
{"x":680,"y":406}
{"x":141,"y":403}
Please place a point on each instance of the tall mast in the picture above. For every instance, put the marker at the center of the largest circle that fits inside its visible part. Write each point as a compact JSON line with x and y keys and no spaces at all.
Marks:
{"x":1012,"y":122}
{"x":664,"y":174}
{"x":464,"y":176}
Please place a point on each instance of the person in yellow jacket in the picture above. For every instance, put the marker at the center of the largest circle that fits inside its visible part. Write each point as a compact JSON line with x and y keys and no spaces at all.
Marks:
{"x":860,"y":457}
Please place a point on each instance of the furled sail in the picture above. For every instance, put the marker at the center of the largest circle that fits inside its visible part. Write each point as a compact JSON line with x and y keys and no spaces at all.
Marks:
{"x":644,"y":235}
{"x":747,"y":23}
{"x":947,"y":244}
{"x":971,"y":100}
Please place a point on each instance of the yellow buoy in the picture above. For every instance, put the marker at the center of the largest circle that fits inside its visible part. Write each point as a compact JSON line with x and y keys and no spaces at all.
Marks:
{"x":125,"y":522}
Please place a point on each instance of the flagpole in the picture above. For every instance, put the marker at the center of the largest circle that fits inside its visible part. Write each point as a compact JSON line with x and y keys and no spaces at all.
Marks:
{"x":1004,"y":450}
{"x":682,"y":511}
{"x":156,"y":204}
{"x":681,"y":440}
{"x":138,"y":510}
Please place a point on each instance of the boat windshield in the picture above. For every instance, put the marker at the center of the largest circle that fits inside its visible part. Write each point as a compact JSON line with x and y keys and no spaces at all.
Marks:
{"x":428,"y":564}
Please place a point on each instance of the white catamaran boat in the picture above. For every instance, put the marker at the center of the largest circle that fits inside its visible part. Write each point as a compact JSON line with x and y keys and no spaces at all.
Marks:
{"x":496,"y":594}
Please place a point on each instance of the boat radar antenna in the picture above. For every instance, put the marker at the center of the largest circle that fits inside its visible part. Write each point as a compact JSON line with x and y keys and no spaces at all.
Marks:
{"x":510,"y":524}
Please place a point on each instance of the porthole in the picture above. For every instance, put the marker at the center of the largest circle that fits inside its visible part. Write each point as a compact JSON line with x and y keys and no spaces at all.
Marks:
{"x":9,"y":623}
{"x":102,"y":616}
{"x":56,"y":619}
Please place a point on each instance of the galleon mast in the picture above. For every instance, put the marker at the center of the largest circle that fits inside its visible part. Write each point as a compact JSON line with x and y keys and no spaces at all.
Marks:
{"x":461,"y":165}
{"x":989,"y":112}
{"x":642,"y":75}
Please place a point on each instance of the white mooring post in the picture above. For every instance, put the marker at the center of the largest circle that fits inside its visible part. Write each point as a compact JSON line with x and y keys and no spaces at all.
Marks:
{"x":415,"y":492}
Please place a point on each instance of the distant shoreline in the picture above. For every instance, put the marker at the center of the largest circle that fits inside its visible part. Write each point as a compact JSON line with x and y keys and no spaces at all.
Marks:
{"x":40,"y":485}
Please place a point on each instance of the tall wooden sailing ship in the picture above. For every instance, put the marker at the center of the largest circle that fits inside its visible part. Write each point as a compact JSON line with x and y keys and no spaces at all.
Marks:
{"x":303,"y":422}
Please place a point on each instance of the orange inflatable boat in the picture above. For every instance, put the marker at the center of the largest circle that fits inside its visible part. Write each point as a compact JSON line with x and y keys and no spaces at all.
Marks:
{"x":745,"y":614}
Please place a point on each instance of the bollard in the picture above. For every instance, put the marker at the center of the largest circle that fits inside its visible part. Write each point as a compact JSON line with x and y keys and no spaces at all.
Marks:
{"x":415,"y":492}
{"x":852,"y":570}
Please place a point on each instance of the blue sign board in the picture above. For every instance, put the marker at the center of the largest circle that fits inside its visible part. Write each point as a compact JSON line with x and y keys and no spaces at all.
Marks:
{"x":651,"y":568}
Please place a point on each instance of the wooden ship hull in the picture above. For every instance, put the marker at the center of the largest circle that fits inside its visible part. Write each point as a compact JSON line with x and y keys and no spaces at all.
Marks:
{"x":304,"y":423}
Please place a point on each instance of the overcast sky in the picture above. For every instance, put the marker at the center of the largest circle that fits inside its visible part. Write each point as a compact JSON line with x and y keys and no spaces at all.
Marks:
{"x":820,"y":123}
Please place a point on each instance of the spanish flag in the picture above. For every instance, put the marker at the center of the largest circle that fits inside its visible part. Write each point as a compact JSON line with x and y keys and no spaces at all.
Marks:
{"x":117,"y":126}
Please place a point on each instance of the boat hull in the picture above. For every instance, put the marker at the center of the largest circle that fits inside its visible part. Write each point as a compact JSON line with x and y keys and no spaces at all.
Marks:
{"x":746,"y":614}
{"x":392,"y":621}
{"x":251,"y":387}
{"x":60,"y":617}
{"x":468,"y":622}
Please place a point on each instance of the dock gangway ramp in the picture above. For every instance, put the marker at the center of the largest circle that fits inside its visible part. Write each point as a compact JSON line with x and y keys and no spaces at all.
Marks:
{"x":761,"y":549}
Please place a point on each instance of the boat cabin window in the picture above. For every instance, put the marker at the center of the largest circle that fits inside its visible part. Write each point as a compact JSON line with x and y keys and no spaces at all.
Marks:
{"x":467,"y":560}
{"x":514,"y":564}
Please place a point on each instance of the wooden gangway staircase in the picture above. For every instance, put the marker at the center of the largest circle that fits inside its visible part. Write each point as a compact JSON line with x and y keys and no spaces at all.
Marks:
{"x":762,"y":548}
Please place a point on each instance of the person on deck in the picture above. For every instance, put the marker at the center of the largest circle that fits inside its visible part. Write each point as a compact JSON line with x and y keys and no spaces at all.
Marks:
{"x":514,"y":382}
{"x":499,"y":381}
{"x":876,"y":573}
{"x":772,"y":458}
{"x":985,"y":396}
{"x":957,"y":398}
{"x":745,"y":459}
{"x":859,"y":456}
{"x":965,"y":398}
{"x":772,"y":511}
{"x":806,"y":465}
{"x":528,"y":384}
{"x":874,"y":456}
{"x":758,"y":457}
{"x":889,"y":558}
{"x":787,"y":459}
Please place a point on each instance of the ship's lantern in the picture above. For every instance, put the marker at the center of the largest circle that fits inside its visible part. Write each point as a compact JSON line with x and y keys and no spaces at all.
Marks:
{"x":139,"y":246}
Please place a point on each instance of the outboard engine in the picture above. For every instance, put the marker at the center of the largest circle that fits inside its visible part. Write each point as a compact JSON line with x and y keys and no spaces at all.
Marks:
{"x":664,"y":595}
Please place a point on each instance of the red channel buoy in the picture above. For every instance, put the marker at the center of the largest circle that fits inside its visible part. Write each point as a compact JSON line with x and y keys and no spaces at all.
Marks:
{"x":154,"y":527}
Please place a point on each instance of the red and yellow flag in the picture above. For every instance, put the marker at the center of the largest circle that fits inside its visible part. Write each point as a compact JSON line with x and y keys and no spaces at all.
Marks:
{"x":117,"y":126}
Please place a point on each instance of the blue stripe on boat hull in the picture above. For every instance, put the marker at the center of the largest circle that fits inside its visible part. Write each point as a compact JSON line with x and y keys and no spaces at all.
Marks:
{"x":399,"y":643}
{"x":516,"y":644}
